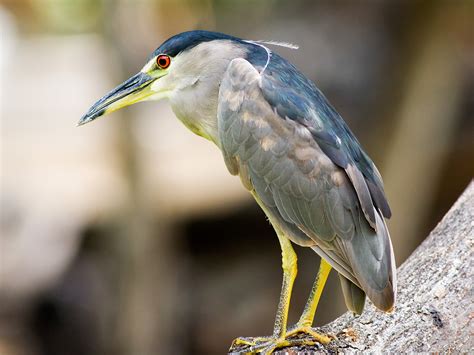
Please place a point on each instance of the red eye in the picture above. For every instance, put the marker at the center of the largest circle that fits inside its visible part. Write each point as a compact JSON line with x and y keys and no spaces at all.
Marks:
{"x":163,"y":61}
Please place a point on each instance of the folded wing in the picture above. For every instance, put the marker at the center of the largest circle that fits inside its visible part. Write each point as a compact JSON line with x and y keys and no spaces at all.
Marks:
{"x":323,"y":191}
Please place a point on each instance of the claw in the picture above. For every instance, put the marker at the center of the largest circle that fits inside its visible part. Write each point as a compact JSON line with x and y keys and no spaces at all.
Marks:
{"x":320,"y":338}
{"x":241,"y":341}
{"x":267,"y":345}
{"x":249,"y":341}
{"x":270,"y":346}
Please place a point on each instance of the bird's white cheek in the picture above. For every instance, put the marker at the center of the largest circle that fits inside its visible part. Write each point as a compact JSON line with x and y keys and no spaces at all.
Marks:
{"x":159,"y":90}
{"x":161,"y":85}
{"x":158,"y":96}
{"x":184,"y":82}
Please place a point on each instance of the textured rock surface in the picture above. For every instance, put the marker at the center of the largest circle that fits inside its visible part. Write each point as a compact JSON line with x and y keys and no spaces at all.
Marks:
{"x":434,"y":309}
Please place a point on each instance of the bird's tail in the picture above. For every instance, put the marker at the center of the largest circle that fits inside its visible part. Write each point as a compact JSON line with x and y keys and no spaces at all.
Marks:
{"x":373,"y":263}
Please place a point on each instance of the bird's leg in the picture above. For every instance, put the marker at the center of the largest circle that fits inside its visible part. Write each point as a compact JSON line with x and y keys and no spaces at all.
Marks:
{"x":281,"y":337}
{"x":290,"y":269}
{"x":289,"y":265}
{"x":309,"y":311}
{"x":306,"y":320}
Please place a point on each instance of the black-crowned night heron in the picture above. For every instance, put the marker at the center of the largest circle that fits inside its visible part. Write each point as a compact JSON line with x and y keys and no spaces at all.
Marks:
{"x":292,"y":151}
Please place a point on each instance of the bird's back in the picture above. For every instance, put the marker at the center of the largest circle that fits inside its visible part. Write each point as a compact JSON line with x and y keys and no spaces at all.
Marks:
{"x":296,"y":97}
{"x":308,"y":171}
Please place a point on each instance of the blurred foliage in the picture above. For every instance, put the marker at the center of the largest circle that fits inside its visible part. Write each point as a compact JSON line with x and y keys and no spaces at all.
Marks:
{"x":69,"y":16}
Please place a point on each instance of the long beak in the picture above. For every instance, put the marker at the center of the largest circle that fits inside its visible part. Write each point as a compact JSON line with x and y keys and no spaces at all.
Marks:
{"x":135,"y":89}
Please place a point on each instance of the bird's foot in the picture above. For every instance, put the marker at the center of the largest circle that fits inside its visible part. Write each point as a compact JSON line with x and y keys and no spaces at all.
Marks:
{"x":249,"y":341}
{"x":266,"y":345}
{"x":309,"y":332}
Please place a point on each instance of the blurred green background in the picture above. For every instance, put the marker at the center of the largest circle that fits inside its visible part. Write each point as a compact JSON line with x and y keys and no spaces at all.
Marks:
{"x":128,"y":235}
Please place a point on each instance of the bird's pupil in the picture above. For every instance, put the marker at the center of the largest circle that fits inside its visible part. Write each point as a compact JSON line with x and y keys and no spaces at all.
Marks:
{"x":163,"y":61}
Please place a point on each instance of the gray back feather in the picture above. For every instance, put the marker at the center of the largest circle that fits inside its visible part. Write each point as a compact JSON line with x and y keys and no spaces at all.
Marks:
{"x":312,"y":198}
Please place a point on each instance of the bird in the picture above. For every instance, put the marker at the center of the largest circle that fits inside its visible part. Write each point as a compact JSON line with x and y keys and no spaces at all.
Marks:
{"x":293,"y":152}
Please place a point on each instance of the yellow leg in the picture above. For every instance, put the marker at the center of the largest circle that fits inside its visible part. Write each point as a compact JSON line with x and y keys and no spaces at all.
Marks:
{"x":290,"y":269}
{"x":279,"y":339}
{"x":282,"y":338}
{"x":307,"y":317}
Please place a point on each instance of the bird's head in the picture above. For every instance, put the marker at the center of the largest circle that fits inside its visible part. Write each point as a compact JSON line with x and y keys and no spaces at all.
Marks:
{"x":187,"y":69}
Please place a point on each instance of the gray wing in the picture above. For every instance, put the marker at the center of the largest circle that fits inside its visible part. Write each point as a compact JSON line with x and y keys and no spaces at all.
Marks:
{"x":312,"y":199}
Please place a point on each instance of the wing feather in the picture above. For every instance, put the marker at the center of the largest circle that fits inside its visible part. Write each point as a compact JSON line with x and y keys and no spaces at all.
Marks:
{"x":311,"y":182}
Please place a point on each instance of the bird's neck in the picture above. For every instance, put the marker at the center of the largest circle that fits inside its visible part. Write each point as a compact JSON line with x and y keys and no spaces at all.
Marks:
{"x":200,"y":117}
{"x":194,"y":98}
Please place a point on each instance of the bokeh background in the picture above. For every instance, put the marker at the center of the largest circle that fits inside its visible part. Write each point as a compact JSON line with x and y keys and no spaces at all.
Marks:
{"x":128,"y":235}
